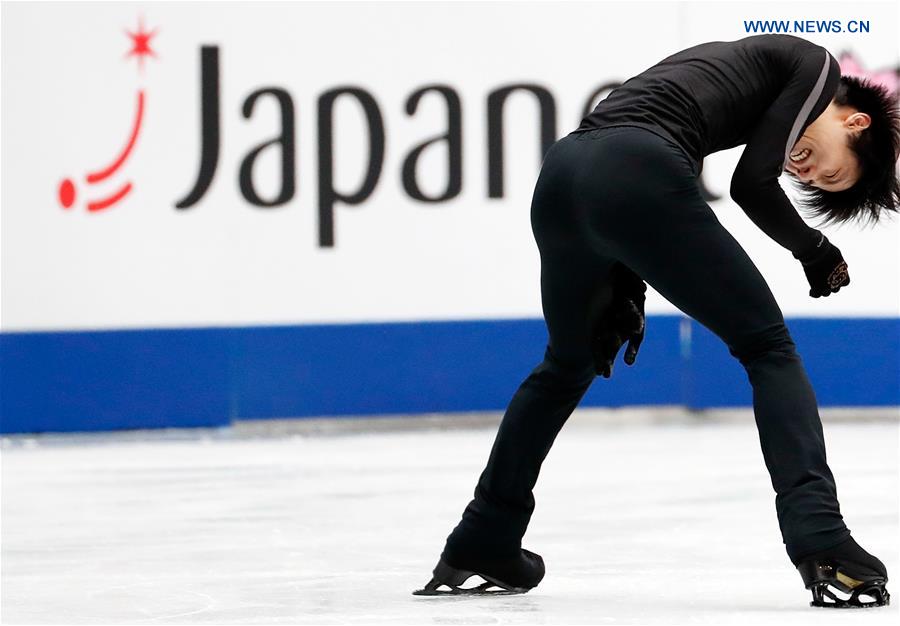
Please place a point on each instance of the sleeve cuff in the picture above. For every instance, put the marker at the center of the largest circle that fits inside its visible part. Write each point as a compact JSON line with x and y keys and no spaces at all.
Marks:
{"x":817,"y":241}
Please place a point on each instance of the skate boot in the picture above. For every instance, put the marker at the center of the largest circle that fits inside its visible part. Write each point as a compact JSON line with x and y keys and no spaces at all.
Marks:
{"x":845,"y":576}
{"x":502,"y":575}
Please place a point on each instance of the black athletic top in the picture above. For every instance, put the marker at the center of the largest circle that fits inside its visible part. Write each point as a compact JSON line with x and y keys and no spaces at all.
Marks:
{"x":762,"y":90}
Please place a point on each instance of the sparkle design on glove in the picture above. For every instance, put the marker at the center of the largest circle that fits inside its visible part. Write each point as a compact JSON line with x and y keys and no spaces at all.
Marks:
{"x":838,"y":275}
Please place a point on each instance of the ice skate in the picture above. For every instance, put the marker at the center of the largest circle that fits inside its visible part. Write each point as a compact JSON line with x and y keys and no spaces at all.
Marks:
{"x":845,"y":576}
{"x":501,"y":576}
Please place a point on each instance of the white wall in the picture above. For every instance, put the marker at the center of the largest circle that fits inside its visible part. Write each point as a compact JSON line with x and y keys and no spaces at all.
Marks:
{"x":68,"y":100}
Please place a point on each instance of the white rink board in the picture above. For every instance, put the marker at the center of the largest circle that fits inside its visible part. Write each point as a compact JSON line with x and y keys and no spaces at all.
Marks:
{"x":69,"y":100}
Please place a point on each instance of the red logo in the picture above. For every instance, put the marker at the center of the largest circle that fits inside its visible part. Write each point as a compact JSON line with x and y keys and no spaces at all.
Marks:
{"x":67,"y":191}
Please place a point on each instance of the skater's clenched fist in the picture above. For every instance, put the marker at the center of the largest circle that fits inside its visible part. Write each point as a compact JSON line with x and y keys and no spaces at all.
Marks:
{"x":825,"y":268}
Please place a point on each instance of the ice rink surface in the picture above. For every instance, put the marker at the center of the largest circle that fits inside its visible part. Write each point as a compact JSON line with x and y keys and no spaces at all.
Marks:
{"x":639,"y":523}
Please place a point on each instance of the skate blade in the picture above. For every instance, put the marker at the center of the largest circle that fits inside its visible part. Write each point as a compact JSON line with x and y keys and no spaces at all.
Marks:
{"x":488,"y":588}
{"x":840,"y":595}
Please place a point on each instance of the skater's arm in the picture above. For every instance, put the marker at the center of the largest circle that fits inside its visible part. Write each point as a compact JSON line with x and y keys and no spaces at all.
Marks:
{"x":812,"y":81}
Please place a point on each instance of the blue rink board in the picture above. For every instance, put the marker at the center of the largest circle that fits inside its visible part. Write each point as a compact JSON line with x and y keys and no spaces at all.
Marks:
{"x":122,"y":379}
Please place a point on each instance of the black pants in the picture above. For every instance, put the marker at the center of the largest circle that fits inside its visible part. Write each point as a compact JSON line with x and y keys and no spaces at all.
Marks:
{"x":624,"y":194}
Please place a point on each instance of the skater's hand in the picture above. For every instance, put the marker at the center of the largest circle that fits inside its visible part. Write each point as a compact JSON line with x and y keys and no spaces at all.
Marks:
{"x":825,"y":268}
{"x":623,"y":321}
{"x":631,"y":318}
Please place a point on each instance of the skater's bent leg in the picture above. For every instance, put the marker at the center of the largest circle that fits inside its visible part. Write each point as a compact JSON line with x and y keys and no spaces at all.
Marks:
{"x":648,"y":211}
{"x":494,"y":522}
{"x":705,"y":273}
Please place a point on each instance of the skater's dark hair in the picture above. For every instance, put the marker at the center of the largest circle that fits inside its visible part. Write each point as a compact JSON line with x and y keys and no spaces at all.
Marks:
{"x":876,"y":147}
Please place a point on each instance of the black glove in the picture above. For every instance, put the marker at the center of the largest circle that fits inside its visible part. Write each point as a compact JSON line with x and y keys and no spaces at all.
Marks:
{"x":622,"y":321}
{"x":825,"y":268}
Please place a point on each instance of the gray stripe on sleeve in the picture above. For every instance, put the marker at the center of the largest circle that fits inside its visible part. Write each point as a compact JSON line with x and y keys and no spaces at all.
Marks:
{"x":811,"y":100}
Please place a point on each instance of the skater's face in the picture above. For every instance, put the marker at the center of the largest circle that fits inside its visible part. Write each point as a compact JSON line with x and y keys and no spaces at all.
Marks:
{"x":822,"y":157}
